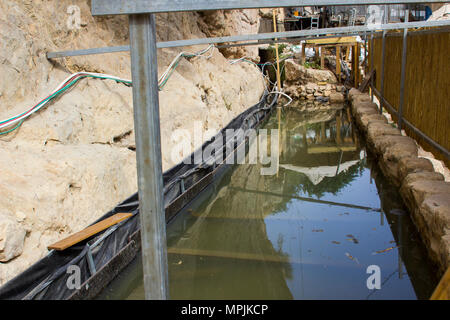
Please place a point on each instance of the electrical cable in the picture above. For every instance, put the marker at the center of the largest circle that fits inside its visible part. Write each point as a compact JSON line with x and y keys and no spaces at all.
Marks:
{"x":74,"y":78}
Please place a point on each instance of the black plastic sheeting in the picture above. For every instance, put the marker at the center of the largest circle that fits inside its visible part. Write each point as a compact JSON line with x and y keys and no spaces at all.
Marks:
{"x":48,"y":278}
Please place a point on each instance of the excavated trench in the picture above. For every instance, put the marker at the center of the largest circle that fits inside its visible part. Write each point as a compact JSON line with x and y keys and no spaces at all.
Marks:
{"x":310,"y":231}
{"x":315,"y":228}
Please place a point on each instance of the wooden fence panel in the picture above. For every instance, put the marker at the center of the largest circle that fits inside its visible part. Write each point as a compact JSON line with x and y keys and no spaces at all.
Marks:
{"x":427,"y":84}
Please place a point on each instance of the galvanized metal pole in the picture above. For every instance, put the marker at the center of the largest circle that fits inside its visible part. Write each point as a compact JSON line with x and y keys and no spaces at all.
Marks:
{"x":144,"y":70}
{"x":371,"y":67}
{"x":383,"y":58}
{"x":403,"y":72}
{"x":261,"y":38}
{"x":274,"y":13}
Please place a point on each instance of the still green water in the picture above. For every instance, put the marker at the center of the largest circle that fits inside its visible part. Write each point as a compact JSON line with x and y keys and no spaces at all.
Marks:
{"x":308,"y":232}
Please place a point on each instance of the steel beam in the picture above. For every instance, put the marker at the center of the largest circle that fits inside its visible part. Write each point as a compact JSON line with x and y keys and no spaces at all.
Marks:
{"x":403,"y":73}
{"x":144,"y":70}
{"x":262,"y":36}
{"x":371,"y":67}
{"x":112,"y":7}
{"x":383,"y":58}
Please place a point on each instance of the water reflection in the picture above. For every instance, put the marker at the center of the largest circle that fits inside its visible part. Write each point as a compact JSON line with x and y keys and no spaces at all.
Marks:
{"x":308,"y":232}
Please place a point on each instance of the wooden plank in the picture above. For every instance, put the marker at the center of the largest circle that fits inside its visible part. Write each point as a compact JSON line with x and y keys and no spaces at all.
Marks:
{"x":355,"y":63}
{"x":303,"y":53}
{"x":366,"y":81}
{"x":442,"y":291}
{"x":331,"y":41}
{"x":347,"y":53}
{"x":322,"y":58}
{"x":89,"y":232}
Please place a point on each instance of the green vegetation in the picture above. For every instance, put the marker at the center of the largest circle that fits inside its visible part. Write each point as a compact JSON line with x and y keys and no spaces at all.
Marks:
{"x":311,"y":64}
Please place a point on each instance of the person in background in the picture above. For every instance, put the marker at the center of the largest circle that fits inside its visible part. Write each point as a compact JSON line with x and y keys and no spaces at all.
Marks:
{"x":428,"y":12}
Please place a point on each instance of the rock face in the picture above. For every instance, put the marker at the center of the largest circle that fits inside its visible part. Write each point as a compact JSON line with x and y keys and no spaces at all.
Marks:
{"x":228,"y":23}
{"x":310,"y":84}
{"x":297,"y":73}
{"x":74,"y":160}
{"x":12,"y":237}
{"x":337,"y":97}
{"x":424,"y":191}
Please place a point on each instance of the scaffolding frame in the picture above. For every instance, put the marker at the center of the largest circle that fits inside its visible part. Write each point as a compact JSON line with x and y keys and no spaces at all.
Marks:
{"x":143,"y":50}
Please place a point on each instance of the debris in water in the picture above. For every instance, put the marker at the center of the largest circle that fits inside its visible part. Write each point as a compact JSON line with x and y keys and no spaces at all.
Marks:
{"x":351,"y":257}
{"x":352,"y":238}
{"x":385,"y":250}
{"x":317,"y":230}
{"x":335,"y":242}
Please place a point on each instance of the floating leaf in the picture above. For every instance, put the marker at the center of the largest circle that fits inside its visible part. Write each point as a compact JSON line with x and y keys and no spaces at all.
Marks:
{"x":385,"y":250}
{"x":351,"y":257}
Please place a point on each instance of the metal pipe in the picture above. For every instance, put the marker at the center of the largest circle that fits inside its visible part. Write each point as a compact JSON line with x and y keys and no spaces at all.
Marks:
{"x":144,"y":69}
{"x":371,"y":67}
{"x":110,"y":7}
{"x":415,"y":33}
{"x":383,"y":57}
{"x":261,"y":36}
{"x":403,"y":72}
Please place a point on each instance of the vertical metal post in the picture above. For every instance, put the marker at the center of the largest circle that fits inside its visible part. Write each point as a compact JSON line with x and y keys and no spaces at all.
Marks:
{"x":274,"y":13}
{"x":403,"y":72}
{"x":144,"y":70}
{"x":383,"y":58}
{"x":371,"y":67}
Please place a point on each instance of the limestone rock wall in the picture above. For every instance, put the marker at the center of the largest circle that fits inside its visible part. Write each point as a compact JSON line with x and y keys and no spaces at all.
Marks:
{"x":74,"y":160}
{"x":313,"y":85}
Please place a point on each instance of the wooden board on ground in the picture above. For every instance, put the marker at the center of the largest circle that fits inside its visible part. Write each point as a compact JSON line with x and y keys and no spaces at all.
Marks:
{"x":89,"y":232}
{"x":442,"y":291}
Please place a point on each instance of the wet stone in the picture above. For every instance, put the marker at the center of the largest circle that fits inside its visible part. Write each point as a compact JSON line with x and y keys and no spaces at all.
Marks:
{"x":414,"y":192}
{"x":364,"y":104}
{"x":365,"y":119}
{"x":436,"y":210}
{"x":336,"y":97}
{"x":377,"y":129}
{"x":414,"y":165}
